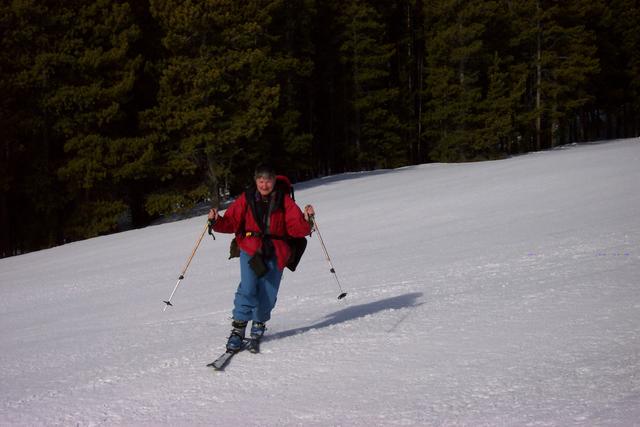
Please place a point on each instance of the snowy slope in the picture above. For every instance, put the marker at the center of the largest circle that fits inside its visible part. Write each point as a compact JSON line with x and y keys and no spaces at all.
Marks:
{"x":493,"y":293}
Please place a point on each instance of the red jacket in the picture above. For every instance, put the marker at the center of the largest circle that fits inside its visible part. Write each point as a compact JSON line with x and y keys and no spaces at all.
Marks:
{"x":288,"y":222}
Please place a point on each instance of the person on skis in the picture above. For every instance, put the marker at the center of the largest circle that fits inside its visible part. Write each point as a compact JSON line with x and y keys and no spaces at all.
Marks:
{"x":263,"y":218}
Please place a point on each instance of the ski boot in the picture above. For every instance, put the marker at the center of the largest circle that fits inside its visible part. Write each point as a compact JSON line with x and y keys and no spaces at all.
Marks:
{"x":234,"y":343}
{"x":257,"y":331}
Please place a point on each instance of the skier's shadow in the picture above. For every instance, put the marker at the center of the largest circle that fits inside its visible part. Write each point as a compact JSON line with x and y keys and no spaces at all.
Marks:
{"x":350,"y":313}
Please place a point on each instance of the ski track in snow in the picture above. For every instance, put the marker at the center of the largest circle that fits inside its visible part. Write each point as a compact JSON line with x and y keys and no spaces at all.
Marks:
{"x":492,"y":293}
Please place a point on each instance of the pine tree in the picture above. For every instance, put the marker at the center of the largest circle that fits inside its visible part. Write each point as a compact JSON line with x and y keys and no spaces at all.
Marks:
{"x":618,"y":87}
{"x":375,"y":128}
{"x":15,"y":28}
{"x":292,"y":51}
{"x":32,"y":199}
{"x":560,"y":51}
{"x":456,"y":59}
{"x":406,"y":21}
{"x":497,"y":131}
{"x":327,"y":88}
{"x":96,"y":73}
{"x":504,"y":113}
{"x":219,"y":91}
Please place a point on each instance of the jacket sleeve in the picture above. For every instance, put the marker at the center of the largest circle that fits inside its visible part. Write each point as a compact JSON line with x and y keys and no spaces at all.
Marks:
{"x":297,"y":226}
{"x":232,"y":219}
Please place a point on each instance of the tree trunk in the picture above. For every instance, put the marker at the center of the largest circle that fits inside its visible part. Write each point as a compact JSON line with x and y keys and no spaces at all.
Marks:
{"x":420,"y":48}
{"x":539,"y":83}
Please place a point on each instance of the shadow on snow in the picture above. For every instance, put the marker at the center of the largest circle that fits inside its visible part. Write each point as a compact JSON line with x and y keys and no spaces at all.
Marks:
{"x":350,"y":313}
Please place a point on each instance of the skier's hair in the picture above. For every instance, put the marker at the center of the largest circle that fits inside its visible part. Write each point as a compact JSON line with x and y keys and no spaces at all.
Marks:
{"x":264,"y":170}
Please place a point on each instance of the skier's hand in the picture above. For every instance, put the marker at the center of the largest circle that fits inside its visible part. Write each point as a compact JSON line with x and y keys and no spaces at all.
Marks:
{"x":308,"y":212}
{"x":213,"y":215}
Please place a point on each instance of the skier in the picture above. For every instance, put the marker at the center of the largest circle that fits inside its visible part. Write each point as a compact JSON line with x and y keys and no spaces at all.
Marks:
{"x":262,"y":218}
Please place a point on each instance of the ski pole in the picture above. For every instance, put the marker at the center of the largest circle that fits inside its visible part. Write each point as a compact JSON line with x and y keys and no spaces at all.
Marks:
{"x":184,"y":270}
{"x":326,"y":254}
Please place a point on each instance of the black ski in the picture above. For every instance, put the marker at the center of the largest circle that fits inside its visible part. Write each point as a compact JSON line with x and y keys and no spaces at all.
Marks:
{"x":221,"y":362}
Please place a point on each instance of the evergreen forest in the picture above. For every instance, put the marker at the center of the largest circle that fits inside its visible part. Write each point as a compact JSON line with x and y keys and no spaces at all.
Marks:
{"x":116,"y":113}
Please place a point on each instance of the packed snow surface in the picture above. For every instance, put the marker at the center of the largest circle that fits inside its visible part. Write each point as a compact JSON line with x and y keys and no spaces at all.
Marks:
{"x":492,"y":293}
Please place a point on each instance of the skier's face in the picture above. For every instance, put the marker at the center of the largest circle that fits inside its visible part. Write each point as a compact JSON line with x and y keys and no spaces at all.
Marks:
{"x":265,"y":185}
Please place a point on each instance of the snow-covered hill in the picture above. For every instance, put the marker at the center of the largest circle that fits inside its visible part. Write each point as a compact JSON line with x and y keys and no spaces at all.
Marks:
{"x":493,"y":293}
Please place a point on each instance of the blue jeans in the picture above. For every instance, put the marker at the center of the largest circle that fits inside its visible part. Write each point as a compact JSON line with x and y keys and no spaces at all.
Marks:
{"x":256,"y":297}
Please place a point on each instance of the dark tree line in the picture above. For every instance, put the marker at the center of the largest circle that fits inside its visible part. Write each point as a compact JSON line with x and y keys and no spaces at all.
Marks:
{"x":114,"y":113}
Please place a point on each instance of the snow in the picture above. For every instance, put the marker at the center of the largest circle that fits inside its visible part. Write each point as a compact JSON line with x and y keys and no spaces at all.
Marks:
{"x":491,"y":293}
